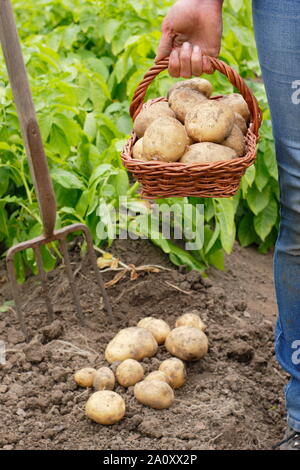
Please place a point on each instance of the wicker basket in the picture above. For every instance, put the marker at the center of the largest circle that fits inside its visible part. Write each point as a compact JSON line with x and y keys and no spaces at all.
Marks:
{"x":175,"y":179}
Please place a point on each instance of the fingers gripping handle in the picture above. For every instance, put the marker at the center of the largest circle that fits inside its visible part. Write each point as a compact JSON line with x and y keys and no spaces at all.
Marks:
{"x":31,"y":134}
{"x":229,"y":72}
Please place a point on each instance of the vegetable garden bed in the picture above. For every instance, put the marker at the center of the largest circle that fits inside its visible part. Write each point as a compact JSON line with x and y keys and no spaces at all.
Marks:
{"x":233,"y":396}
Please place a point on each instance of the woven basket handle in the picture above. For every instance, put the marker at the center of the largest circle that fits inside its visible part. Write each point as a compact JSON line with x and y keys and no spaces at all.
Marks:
{"x":229,"y":72}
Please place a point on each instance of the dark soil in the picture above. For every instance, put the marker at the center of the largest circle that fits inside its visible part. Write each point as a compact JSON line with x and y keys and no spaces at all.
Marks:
{"x":233,"y":397}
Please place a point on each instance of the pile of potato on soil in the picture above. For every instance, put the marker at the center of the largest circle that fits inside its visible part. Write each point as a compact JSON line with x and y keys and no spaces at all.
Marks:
{"x":187,"y":341}
{"x":190,"y":127}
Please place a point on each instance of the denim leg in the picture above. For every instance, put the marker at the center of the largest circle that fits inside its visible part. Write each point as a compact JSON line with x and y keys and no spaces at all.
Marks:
{"x":277,"y":31}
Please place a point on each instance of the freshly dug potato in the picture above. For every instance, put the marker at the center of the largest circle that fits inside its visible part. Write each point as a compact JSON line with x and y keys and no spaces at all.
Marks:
{"x":240,"y":122}
{"x":190,"y":141}
{"x":182,"y":100}
{"x":190,"y":319}
{"x":237,"y":103}
{"x":129,"y":372}
{"x":131,"y":343}
{"x":165,"y":139}
{"x":148,"y":115}
{"x":154,"y":393}
{"x":159,"y":328}
{"x":207,"y":152}
{"x":105,"y":407}
{"x":199,"y":84}
{"x":236,"y":141}
{"x":157,"y":375}
{"x":187,"y":342}
{"x":84,"y":377}
{"x":137,"y":151}
{"x":174,"y":369}
{"x":210,"y":121}
{"x":104,"y":379}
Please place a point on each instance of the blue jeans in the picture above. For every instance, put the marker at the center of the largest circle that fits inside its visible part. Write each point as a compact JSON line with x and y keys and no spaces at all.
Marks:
{"x":277,"y":31}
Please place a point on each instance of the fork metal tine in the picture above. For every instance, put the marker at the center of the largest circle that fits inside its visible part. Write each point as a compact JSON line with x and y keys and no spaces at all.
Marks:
{"x":65,"y":253}
{"x":43,"y":278}
{"x":99,"y":278}
{"x":16,"y":294}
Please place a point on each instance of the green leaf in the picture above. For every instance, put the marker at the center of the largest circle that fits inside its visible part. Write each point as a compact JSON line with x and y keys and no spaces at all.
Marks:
{"x":246,"y":232}
{"x":19,"y":267}
{"x":109,"y":29}
{"x":265,"y":220}
{"x":213,"y":238}
{"x":121,"y":182}
{"x":236,"y":5}
{"x":107,"y":190}
{"x":69,"y":127}
{"x":185,"y":258}
{"x":4,"y":180}
{"x":225,"y":217}
{"x":217,"y":259}
{"x":58,"y":141}
{"x":262,"y":175}
{"x":109,"y":124}
{"x":3,"y":220}
{"x":269,"y":159}
{"x":49,"y":260}
{"x":5,"y":307}
{"x":249,"y":176}
{"x":67,"y":179}
{"x":99,"y":172}
{"x":258,"y":200}
{"x":70,"y":35}
{"x":90,"y":126}
{"x":83,"y":203}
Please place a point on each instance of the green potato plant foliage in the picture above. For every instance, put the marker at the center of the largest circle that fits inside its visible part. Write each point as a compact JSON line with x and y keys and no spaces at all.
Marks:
{"x":84,"y":59}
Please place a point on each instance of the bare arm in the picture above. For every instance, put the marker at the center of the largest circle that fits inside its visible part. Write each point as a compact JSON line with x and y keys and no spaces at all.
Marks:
{"x":191,"y":30}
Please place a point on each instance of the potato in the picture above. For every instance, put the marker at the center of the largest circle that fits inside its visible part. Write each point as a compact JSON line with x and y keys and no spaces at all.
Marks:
{"x":240,"y":122}
{"x":210,"y":121}
{"x":174,"y":370}
{"x":104,"y":379}
{"x":154,"y":393}
{"x":157,"y":375}
{"x":190,"y":141}
{"x":159,"y":328}
{"x":199,"y":84}
{"x":236,"y":141}
{"x":84,"y":377}
{"x":237,"y":103}
{"x":207,"y":152}
{"x":187,"y":342}
{"x":137,"y":151}
{"x":131,"y":343}
{"x":182,"y":100}
{"x":105,"y":407}
{"x":190,"y":319}
{"x":165,"y":139}
{"x":129,"y":372}
{"x":148,"y":115}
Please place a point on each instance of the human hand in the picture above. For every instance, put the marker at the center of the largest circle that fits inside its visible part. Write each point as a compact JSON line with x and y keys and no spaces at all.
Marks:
{"x":191,"y":30}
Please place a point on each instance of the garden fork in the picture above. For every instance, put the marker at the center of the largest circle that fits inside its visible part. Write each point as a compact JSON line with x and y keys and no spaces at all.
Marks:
{"x":41,"y":178}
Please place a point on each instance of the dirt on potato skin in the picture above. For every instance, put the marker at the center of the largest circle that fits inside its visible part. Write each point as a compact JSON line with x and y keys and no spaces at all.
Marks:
{"x":233,"y":398}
